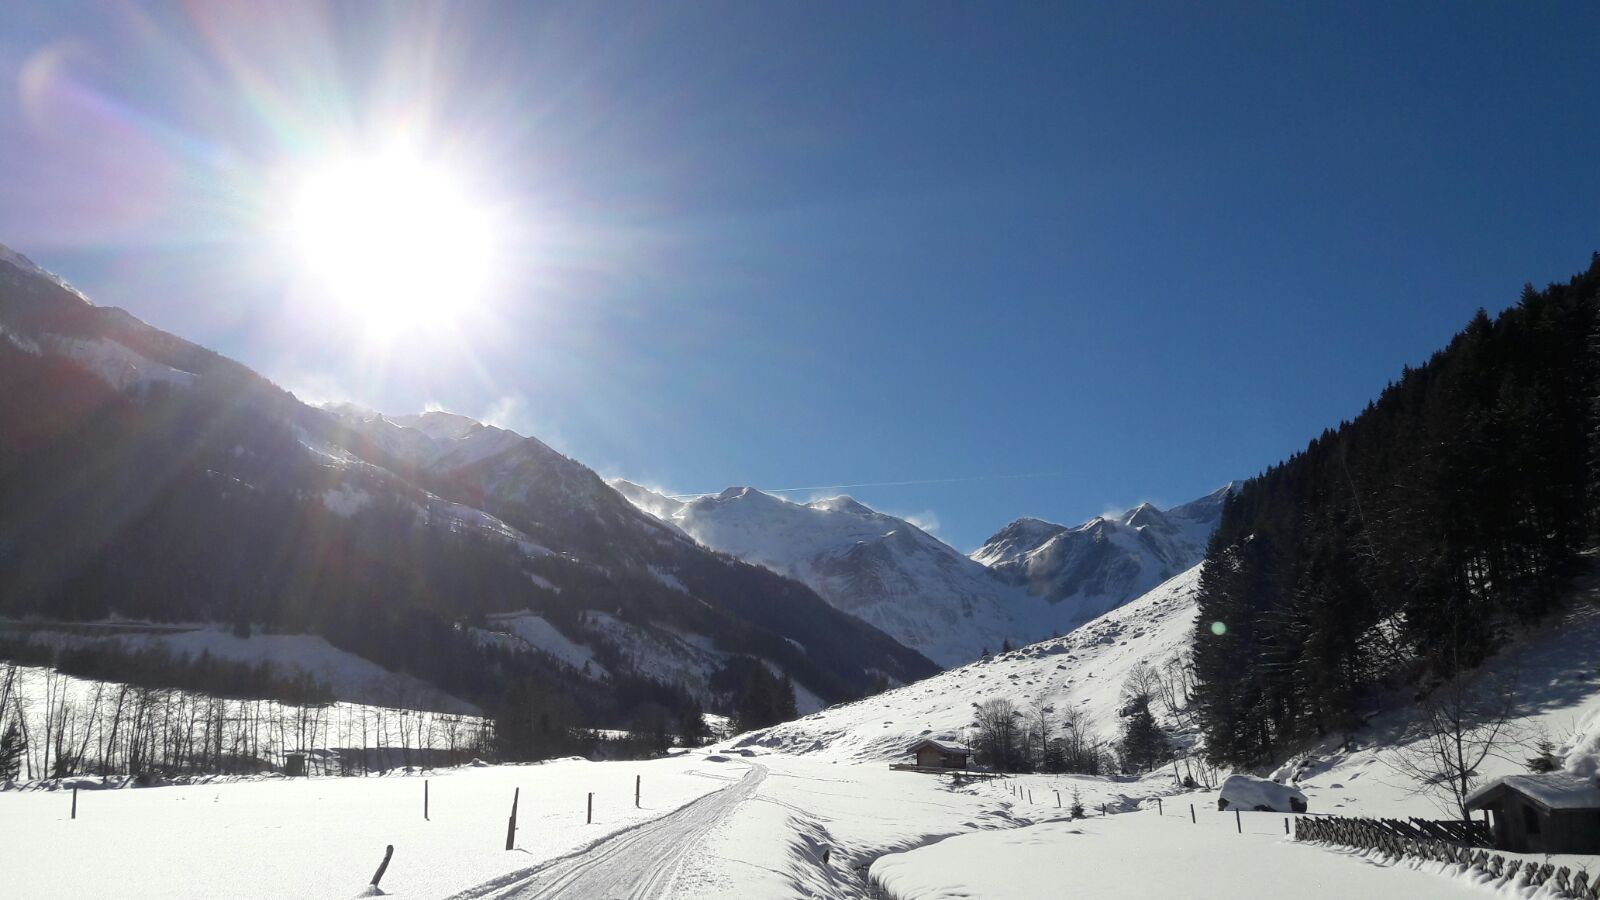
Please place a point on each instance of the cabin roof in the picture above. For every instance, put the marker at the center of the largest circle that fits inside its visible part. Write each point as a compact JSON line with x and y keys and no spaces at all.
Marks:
{"x":941,"y":746}
{"x":1553,"y":791}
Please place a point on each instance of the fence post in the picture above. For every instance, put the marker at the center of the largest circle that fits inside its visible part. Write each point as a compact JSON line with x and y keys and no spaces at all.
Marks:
{"x":638,"y":781}
{"x":424,"y":799}
{"x":1285,"y":824}
{"x":590,"y":819}
{"x":511,"y":825}
{"x":74,"y":801}
{"x":1159,"y":810}
{"x":1238,"y":822}
{"x":1030,"y":795}
{"x":383,"y":866}
{"x":1058,"y":799}
{"x":1192,"y":819}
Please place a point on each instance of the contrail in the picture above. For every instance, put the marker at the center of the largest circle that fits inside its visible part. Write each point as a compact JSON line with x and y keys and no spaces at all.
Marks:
{"x":862,"y":484}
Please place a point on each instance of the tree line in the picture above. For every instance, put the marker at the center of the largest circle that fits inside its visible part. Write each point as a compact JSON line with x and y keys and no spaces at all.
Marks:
{"x":1406,"y":545}
{"x":53,"y":725}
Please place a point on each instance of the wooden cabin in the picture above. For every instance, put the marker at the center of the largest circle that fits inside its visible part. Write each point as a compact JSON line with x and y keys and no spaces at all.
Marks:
{"x":1556,"y":812}
{"x":936,"y":754}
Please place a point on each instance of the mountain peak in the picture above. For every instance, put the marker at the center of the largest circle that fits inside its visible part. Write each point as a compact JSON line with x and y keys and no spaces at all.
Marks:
{"x":843,"y":504}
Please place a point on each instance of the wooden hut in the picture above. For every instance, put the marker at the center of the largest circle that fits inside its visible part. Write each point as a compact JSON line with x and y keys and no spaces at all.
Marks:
{"x":1556,"y":812}
{"x":936,"y":754}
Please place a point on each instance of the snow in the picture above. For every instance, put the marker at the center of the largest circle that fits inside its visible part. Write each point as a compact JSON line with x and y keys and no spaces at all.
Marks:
{"x":345,"y":501}
{"x":1247,"y":792}
{"x":324,"y":837}
{"x":924,"y":593}
{"x":1084,"y":669}
{"x":537,"y":632}
{"x":1553,"y":790}
{"x":119,"y":366}
{"x":22,"y":343}
{"x":12,"y":257}
{"x":1147,"y":855}
{"x":350,"y":677}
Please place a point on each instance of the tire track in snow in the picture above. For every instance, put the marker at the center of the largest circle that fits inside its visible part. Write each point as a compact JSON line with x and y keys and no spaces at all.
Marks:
{"x":641,"y":863}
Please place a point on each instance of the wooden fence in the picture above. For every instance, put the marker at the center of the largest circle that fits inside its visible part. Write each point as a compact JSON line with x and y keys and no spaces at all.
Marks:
{"x":1397,"y":839}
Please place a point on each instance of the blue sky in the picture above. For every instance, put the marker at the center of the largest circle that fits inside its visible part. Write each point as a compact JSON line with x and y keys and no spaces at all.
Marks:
{"x":1084,"y":255}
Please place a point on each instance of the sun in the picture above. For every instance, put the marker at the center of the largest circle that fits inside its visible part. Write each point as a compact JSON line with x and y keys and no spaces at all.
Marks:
{"x":398,"y":243}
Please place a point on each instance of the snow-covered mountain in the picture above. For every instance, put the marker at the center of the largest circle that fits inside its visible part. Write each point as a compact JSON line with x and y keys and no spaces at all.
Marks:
{"x":870,"y":564}
{"x":148,"y":477}
{"x":1108,"y":560}
{"x":1032,"y":580}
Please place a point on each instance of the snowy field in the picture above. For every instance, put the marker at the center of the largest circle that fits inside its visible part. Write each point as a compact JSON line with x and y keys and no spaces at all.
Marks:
{"x":713,"y":825}
{"x":811,"y":808}
{"x":324,"y":837}
{"x":1148,"y":856}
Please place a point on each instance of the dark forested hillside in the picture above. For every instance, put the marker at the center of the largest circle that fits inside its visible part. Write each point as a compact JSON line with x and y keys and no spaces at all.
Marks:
{"x":1407,"y":543}
{"x":142,"y":476}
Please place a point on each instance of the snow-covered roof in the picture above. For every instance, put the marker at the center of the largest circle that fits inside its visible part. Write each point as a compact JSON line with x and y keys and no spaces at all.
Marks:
{"x":945,"y":746}
{"x":1555,"y":790}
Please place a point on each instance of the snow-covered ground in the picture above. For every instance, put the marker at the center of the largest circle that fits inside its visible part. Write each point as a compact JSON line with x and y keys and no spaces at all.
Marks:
{"x":1148,"y":856}
{"x":1084,"y":669}
{"x":811,"y":808}
{"x":324,"y":837}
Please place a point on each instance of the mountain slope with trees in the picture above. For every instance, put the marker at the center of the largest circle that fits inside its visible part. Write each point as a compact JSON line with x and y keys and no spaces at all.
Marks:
{"x":1405,"y":546}
{"x":142,"y":476}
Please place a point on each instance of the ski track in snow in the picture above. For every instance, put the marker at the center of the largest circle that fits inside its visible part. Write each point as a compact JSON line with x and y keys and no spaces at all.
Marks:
{"x":639,"y":864}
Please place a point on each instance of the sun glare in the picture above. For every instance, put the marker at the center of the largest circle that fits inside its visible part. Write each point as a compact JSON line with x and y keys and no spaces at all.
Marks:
{"x":398,"y":243}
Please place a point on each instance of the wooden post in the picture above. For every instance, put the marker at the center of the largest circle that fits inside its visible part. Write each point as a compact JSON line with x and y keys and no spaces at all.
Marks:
{"x":74,"y":802}
{"x":1058,"y":799}
{"x":590,"y":819}
{"x":383,"y":866}
{"x":1159,"y":810}
{"x":511,"y":825}
{"x":424,"y":799}
{"x":1285,"y":824}
{"x":638,"y":780}
{"x":1030,"y":795}
{"x":1238,"y":822}
{"x":1192,"y":819}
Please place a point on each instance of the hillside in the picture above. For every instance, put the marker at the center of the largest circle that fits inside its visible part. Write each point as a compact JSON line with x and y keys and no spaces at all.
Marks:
{"x":1083,"y":670}
{"x":1413,"y":542}
{"x":143,"y":477}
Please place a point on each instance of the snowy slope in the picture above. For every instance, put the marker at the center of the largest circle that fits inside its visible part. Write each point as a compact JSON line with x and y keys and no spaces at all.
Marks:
{"x":1106,"y":561}
{"x":875,"y":566}
{"x":1084,"y":669}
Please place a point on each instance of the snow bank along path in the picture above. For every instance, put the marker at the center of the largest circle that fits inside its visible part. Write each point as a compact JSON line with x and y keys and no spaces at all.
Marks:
{"x":640,"y":863}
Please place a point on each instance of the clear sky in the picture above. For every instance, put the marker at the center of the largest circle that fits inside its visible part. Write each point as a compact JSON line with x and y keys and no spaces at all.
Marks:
{"x":1082,"y":255}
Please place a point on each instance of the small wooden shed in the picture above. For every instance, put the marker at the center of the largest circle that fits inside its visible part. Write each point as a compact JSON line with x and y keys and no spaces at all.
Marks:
{"x":1557,"y":812}
{"x":937,"y":754}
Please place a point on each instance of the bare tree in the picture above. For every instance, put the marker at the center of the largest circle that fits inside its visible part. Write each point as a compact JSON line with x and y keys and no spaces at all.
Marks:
{"x":996,"y":732}
{"x":1461,"y":723}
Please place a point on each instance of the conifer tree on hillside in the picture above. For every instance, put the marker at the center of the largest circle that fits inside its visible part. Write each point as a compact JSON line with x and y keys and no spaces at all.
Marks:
{"x":1411,"y":540}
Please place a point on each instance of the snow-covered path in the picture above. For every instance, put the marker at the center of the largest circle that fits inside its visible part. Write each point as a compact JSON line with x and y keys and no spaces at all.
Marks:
{"x":641,"y":863}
